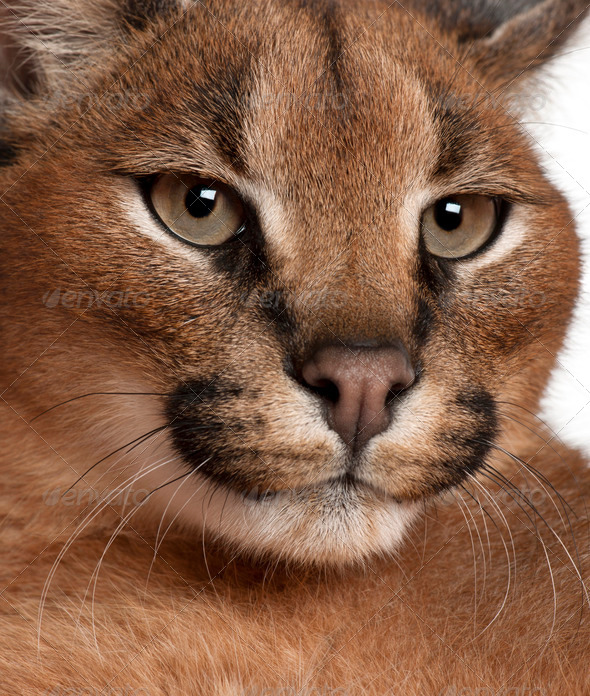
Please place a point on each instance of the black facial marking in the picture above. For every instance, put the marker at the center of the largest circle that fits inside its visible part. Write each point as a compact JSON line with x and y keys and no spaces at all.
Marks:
{"x":336,"y":48}
{"x":8,"y":154}
{"x":434,"y":274}
{"x":194,"y":412}
{"x":480,"y":402}
{"x":223,"y":101}
{"x":247,"y":268}
{"x":467,"y":446}
{"x":243,"y":261}
{"x":274,"y":308}
{"x":327,"y":14}
{"x":458,"y":130}
{"x":424,"y":321}
{"x":206,"y":435}
{"x":471,"y":445}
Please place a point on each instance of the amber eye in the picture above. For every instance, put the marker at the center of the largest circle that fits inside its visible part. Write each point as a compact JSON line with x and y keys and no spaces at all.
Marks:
{"x":200,"y":211}
{"x":457,"y":226}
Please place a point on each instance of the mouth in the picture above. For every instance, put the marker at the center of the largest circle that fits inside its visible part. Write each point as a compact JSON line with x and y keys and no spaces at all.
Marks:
{"x":340,"y":520}
{"x":346,"y":483}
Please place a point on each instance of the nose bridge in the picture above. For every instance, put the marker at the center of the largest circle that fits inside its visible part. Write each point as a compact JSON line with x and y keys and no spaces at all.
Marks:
{"x":356,"y":305}
{"x":344,"y":278}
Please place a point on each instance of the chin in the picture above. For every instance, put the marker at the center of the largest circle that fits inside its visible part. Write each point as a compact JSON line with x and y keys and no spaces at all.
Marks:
{"x":337,"y":523}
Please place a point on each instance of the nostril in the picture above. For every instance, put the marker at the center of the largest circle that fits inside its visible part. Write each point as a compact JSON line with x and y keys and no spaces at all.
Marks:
{"x":394,"y":393}
{"x":326,"y":389}
{"x":396,"y":390}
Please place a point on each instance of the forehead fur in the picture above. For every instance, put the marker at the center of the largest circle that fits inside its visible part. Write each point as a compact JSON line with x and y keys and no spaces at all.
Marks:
{"x":242,"y":83}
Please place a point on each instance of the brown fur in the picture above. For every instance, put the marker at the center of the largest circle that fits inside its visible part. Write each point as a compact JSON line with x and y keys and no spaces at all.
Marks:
{"x":393,"y":109}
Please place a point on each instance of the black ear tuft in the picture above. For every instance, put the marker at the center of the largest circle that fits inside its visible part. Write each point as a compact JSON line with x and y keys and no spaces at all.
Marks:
{"x":8,"y":154}
{"x":506,"y":38}
{"x":473,"y":19}
{"x":138,"y":14}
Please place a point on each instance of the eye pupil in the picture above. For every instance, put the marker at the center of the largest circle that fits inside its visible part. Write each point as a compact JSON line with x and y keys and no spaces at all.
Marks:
{"x":448,"y":214}
{"x":200,"y":201}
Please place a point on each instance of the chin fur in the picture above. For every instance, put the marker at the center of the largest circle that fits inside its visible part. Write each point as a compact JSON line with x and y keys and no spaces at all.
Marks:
{"x":335,"y":524}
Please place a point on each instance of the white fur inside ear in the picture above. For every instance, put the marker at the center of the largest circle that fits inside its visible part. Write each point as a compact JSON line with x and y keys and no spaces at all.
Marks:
{"x":62,"y":39}
{"x":61,"y":36}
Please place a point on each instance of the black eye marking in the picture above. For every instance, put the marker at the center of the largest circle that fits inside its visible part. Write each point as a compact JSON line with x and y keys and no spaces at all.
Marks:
{"x":424,"y":321}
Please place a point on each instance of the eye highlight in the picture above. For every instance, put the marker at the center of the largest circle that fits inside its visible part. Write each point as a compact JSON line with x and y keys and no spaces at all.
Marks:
{"x":200,"y":211}
{"x":458,"y":226}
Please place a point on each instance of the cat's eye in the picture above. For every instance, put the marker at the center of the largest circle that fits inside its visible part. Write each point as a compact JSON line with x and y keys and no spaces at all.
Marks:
{"x":199,"y":211}
{"x":458,"y":226}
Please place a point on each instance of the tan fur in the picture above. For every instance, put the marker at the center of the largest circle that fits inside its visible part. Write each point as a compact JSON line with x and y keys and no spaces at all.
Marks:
{"x":337,"y":123}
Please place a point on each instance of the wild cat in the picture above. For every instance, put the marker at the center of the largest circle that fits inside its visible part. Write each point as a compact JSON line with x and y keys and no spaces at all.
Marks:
{"x":268,"y":403}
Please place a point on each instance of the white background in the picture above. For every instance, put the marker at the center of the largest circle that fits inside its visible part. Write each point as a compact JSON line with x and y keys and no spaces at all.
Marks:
{"x":565,"y":146}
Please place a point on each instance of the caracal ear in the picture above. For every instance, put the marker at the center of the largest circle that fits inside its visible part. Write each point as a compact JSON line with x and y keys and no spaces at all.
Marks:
{"x":506,"y":38}
{"x":50,"y":45}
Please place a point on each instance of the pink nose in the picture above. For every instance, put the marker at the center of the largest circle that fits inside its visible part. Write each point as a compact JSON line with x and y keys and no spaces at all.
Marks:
{"x":358,"y":385}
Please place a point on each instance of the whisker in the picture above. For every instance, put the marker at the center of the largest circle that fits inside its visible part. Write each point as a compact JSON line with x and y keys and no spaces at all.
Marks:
{"x":513,"y":491}
{"x":119,"y":528}
{"x":484,"y":560}
{"x":542,"y":479}
{"x":509,"y":578}
{"x":576,"y":564}
{"x":85,"y":396}
{"x":159,"y":541}
{"x":462,"y":504}
{"x":551,"y":573}
{"x":70,"y":541}
{"x":135,"y":443}
{"x":214,"y":490}
{"x":547,"y":443}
